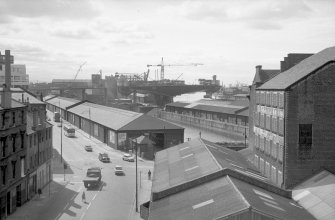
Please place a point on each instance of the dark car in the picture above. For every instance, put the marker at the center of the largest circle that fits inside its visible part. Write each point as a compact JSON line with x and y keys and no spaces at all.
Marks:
{"x":103,"y":157}
{"x":88,"y":148}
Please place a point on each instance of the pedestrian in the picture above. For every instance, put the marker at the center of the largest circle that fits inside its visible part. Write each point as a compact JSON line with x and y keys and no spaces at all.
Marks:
{"x":39,"y":191}
{"x":149,"y":175}
{"x":83,"y":197}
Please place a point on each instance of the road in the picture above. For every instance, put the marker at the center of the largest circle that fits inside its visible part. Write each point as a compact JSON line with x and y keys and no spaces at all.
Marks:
{"x":114,"y":199}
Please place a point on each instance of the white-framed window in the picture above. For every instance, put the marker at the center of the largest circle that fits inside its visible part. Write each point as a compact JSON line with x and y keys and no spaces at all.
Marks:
{"x":261,"y":165}
{"x":273,"y":174}
{"x":281,"y":126}
{"x":267,"y":147}
{"x":268,"y":122}
{"x":274,"y":150}
{"x":274,"y":99}
{"x":279,"y":178}
{"x":280,"y":152}
{"x":261,"y":143}
{"x":112,"y":137}
{"x":274,"y":123}
{"x":281,"y":100}
{"x":256,"y":161}
{"x":267,"y":169}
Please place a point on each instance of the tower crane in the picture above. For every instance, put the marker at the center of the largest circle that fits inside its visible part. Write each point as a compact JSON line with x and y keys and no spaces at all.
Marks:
{"x":162,"y":65}
{"x":79,"y":69}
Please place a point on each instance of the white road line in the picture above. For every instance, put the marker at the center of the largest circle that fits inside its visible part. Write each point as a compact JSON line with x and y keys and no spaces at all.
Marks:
{"x":67,"y":204}
{"x":79,"y":188}
{"x":58,"y":216}
{"x":88,"y":206}
{"x":95,"y":196}
{"x":82,"y":216}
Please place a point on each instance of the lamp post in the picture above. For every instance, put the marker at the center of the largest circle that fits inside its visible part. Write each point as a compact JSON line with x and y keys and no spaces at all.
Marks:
{"x":136,"y":177}
{"x":61,"y":133}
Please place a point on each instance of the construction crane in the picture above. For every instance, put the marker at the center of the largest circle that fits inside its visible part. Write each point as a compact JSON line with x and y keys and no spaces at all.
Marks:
{"x":79,"y":69}
{"x":162,"y":65}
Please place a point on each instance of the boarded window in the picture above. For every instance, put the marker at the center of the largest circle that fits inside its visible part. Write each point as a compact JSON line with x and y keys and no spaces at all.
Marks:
{"x":305,"y":141}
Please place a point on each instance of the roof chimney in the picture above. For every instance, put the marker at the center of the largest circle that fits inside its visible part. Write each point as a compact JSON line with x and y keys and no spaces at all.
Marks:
{"x":258,"y":68}
{"x":6,"y":99}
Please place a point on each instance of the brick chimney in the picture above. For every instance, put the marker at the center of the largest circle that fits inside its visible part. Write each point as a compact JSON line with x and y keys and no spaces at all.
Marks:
{"x":258,"y":69}
{"x":6,"y":98}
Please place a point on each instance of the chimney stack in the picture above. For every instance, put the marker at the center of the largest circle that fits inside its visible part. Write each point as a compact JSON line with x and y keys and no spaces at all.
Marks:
{"x":258,"y":68}
{"x":6,"y":99}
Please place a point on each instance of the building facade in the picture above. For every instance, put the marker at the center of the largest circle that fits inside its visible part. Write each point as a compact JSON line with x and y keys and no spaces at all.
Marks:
{"x":294,"y":121}
{"x":19,"y":77}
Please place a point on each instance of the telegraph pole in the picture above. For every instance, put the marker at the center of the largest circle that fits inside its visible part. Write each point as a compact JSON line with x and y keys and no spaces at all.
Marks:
{"x":136,"y":178}
{"x":61,"y":133}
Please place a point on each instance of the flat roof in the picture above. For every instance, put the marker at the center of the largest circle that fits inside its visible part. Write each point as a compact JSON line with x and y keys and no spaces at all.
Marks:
{"x":113,"y":118}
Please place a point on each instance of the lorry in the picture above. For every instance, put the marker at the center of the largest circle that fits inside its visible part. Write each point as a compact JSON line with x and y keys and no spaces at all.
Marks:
{"x":56,"y":117}
{"x":93,"y":177}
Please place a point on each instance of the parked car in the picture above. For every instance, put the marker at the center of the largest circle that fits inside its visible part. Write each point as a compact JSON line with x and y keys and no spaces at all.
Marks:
{"x":118,"y":170}
{"x":128,"y":157}
{"x":103,"y":157}
{"x":88,"y":148}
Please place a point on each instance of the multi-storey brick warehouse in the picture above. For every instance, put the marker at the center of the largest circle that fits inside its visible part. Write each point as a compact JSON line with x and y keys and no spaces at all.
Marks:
{"x":294,"y":122}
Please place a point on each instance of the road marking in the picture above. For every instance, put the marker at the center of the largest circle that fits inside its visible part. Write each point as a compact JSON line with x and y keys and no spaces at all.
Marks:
{"x":88,"y":206}
{"x":58,"y":216}
{"x":79,"y":188}
{"x":95,"y":196}
{"x":82,"y":216}
{"x":67,"y":204}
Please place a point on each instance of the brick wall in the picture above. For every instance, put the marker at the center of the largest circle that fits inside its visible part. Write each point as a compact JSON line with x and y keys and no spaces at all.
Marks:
{"x":310,"y":102}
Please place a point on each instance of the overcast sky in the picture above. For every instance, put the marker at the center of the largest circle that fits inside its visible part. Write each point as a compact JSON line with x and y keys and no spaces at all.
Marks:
{"x":230,"y":37}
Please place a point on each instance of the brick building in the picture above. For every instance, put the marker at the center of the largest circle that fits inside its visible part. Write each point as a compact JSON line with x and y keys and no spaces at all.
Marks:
{"x":39,"y":142}
{"x":12,"y":148}
{"x":294,"y":121}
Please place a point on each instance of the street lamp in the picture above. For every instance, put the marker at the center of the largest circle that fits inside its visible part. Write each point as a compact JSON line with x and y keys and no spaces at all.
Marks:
{"x":136,"y":191}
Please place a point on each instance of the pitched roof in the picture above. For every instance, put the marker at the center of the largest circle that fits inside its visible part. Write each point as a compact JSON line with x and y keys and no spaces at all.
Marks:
{"x":291,"y":76}
{"x":264,"y":75}
{"x":113,"y":118}
{"x":62,"y":102}
{"x":146,"y":122}
{"x":178,"y":104}
{"x":32,"y":99}
{"x":189,"y":183}
{"x":317,"y":195}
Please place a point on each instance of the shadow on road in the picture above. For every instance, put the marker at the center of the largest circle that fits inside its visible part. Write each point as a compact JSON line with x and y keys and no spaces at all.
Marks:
{"x":58,"y":166}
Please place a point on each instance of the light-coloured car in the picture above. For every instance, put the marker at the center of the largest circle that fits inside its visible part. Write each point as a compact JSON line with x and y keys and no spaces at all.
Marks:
{"x":88,"y":148}
{"x":118,"y":170}
{"x":128,"y":157}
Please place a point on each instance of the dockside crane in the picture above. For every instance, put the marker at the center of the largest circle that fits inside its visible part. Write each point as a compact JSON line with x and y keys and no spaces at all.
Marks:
{"x":79,"y":69}
{"x":162,"y":65}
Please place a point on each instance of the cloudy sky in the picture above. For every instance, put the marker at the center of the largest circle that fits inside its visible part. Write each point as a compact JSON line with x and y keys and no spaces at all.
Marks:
{"x":230,"y":37}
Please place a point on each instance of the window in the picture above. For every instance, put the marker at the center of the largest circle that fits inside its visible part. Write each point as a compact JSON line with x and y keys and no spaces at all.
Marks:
{"x":273,"y":174}
{"x":96,"y":130}
{"x":261,"y":165}
{"x":267,"y":147}
{"x":280,"y":152}
{"x":268,"y":98}
{"x":262,"y":121}
{"x":268,"y":122}
{"x":281,"y":100}
{"x":280,"y":178}
{"x":281,"y":126}
{"x":305,"y":141}
{"x":257,"y":118}
{"x":274,"y":150}
{"x":274,"y":99}
{"x":256,"y":162}
{"x":256,"y":141}
{"x":3,"y":174}
{"x":262,"y":143}
{"x":267,"y":169}
{"x":14,"y":169}
{"x":22,"y":166}
{"x":274,"y":124}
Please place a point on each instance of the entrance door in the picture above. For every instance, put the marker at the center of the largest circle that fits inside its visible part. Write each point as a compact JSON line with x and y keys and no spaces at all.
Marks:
{"x":18,"y":195}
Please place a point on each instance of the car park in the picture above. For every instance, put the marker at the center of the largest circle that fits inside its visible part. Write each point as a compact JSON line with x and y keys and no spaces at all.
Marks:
{"x":118,"y":170}
{"x":103,"y":157}
{"x":88,"y":148}
{"x":128,"y":157}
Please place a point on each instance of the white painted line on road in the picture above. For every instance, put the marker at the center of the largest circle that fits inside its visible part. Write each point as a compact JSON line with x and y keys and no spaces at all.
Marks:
{"x":79,"y":189}
{"x":82,"y":216}
{"x":88,"y":206}
{"x":94,"y":196}
{"x":68,"y":204}
{"x":58,"y":216}
{"x":212,"y":147}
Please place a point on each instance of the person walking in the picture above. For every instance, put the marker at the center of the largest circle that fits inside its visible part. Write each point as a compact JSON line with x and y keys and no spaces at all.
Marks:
{"x":83,"y":197}
{"x":149,"y":175}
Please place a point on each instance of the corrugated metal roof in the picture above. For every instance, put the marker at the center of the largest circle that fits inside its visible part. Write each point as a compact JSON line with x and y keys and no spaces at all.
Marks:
{"x":32,"y":99}
{"x":113,"y":118}
{"x":171,"y":168}
{"x":317,"y":195}
{"x":146,"y":122}
{"x":271,"y":203}
{"x":287,"y":78}
{"x":62,"y":102}
{"x":220,"y":109}
{"x":211,"y":200}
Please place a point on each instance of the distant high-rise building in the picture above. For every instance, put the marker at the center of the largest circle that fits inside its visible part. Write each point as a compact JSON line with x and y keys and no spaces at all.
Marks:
{"x":19,"y":77}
